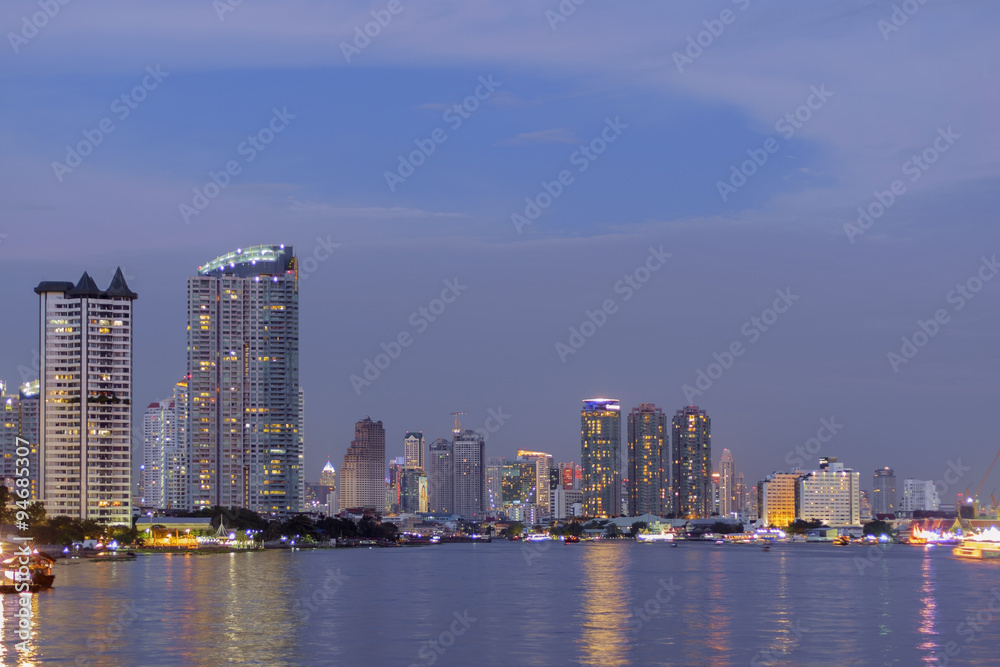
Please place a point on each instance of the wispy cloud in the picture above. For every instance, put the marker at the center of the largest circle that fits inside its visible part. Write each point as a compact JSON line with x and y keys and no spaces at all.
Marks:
{"x":365,"y":212}
{"x":558,"y":135}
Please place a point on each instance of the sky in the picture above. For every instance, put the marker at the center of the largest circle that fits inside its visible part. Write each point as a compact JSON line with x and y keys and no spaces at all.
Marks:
{"x":624,"y":195}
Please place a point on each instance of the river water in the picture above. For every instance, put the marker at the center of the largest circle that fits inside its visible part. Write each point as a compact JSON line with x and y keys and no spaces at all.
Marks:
{"x":605,"y":603}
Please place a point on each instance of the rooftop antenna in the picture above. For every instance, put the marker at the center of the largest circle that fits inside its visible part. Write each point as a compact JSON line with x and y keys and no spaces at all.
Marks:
{"x":456,"y":414}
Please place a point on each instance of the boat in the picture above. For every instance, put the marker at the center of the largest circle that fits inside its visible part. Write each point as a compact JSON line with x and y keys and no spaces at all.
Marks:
{"x":841,"y":540}
{"x":538,"y":537}
{"x":720,"y":541}
{"x":655,"y":533}
{"x":571,"y":539}
{"x":984,"y":545}
{"x":39,"y":566}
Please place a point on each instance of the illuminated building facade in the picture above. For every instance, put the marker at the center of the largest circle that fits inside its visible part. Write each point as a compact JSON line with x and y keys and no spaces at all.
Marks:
{"x":920,"y":495}
{"x":244,"y":445}
{"x":518,"y":484}
{"x":440,"y":477}
{"x":648,"y":460}
{"x":494,"y":484}
{"x":600,"y":439}
{"x":691,"y":454}
{"x":159,"y":436}
{"x":19,"y":419}
{"x":543,"y":477}
{"x":777,"y":496}
{"x":728,"y":496}
{"x":362,"y":477}
{"x":85,"y":413}
{"x":413,"y":490}
{"x":884,"y":498}
{"x":831,"y":494}
{"x":413,"y":449}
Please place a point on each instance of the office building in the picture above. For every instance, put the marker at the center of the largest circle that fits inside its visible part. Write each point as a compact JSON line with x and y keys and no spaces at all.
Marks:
{"x":19,"y":413}
{"x":729,"y":504}
{"x":777,"y":497}
{"x":413,"y":449}
{"x":691,"y":453}
{"x":362,"y":477}
{"x":831,"y":494}
{"x":543,"y":477}
{"x":440,"y":477}
{"x":919,"y":496}
{"x":85,"y":409}
{"x":244,"y":445}
{"x":648,"y":460}
{"x":884,"y":499}
{"x":494,"y":484}
{"x":469,"y":460}
{"x":413,"y":490}
{"x":393,"y":485}
{"x":600,"y":439}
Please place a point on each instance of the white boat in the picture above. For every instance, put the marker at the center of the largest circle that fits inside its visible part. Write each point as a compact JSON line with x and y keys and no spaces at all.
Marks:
{"x":655,"y":533}
{"x":538,"y":537}
{"x":980,"y":546}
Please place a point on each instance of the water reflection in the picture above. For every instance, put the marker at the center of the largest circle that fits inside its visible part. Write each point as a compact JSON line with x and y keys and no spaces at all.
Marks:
{"x":605,"y":604}
{"x":14,"y":650}
{"x":928,"y":610}
{"x":718,"y":611}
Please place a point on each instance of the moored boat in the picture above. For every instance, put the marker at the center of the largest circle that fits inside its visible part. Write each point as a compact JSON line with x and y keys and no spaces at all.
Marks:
{"x":40,"y":575}
{"x":980,"y":546}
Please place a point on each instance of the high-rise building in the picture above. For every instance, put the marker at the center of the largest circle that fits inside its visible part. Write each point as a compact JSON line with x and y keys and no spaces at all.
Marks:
{"x":85,"y":439}
{"x":244,"y":445}
{"x":159,"y":441}
{"x":741,"y":495}
{"x":715,"y":493}
{"x":393,"y":485}
{"x":413,"y":449}
{"x":777,"y":497}
{"x":920,"y":495}
{"x":519,"y":484}
{"x":728,"y":504}
{"x":494,"y":484}
{"x":831,"y":494}
{"x":328,"y":483}
{"x":648,"y":460}
{"x":884,"y":492}
{"x":600,"y":440}
{"x":19,"y":430}
{"x":691,"y":454}
{"x":469,"y":458}
{"x":410,"y":481}
{"x":752,"y":509}
{"x":543,"y":466}
{"x":362,"y":477}
{"x":866,"y":505}
{"x":440,"y":477}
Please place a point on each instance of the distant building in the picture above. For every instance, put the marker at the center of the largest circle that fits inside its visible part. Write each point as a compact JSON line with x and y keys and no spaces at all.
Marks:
{"x":715,"y":492}
{"x":412,"y":485}
{"x":494,"y":484}
{"x":919,"y":495}
{"x":394,"y":485}
{"x":85,"y":413}
{"x":648,"y":460}
{"x":362,"y":477}
{"x":563,"y":500}
{"x":777,"y":497}
{"x":19,"y":419}
{"x":831,"y":494}
{"x":600,"y":435}
{"x":691,"y":451}
{"x":413,"y":449}
{"x":518,"y":484}
{"x":543,"y":466}
{"x":159,"y":439}
{"x":440,"y":477}
{"x":884,"y":492}
{"x":469,"y":460}
{"x":728,"y":495}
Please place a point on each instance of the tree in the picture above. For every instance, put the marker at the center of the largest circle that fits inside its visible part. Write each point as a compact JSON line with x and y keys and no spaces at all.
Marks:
{"x":6,"y":513}
{"x":573,"y":529}
{"x":515,"y":529}
{"x":637,"y":527}
{"x":801,"y":526}
{"x":613,"y":530}
{"x":878,"y":528}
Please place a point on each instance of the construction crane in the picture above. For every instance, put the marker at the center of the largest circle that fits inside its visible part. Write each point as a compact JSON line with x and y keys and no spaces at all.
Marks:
{"x":986,"y":476}
{"x":455,"y":415}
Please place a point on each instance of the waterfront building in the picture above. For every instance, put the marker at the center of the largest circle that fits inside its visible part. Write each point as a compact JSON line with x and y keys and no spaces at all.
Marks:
{"x":600,"y":436}
{"x":691,"y":453}
{"x":831,"y":494}
{"x":494,"y":484}
{"x":563,"y":500}
{"x":244,"y":447}
{"x":728,"y":495}
{"x":440,"y":477}
{"x":543,"y":467}
{"x":85,"y":409}
{"x":469,"y":460}
{"x":919,"y":495}
{"x":413,"y":449}
{"x":777,"y":497}
{"x":362,"y":477}
{"x":648,"y":460}
{"x":159,"y":439}
{"x":19,"y":414}
{"x":884,"y":499}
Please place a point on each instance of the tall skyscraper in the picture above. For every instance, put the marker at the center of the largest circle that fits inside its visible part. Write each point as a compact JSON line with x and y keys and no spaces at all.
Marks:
{"x":85,"y":449}
{"x":159,"y":440}
{"x":412,"y":483}
{"x":691,"y":451}
{"x":440,"y":477}
{"x":413,"y":449}
{"x":884,"y":491}
{"x":469,"y":457}
{"x":600,"y":441}
{"x":19,"y":419}
{"x":543,"y":466}
{"x":648,"y":456}
{"x":494,"y":484}
{"x":328,"y":480}
{"x":728,"y":504}
{"x":243,"y":358}
{"x":741,"y":495}
{"x":362,"y":477}
{"x":393,"y":484}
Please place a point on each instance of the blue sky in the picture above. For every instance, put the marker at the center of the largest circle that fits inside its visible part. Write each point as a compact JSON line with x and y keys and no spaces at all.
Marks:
{"x":322,"y":180}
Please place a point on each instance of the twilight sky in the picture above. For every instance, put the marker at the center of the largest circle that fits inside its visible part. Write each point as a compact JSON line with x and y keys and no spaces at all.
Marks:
{"x":638,"y":133}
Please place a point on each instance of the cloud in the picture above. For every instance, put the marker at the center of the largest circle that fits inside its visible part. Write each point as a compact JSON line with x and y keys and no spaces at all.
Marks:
{"x":365,"y":212}
{"x":559,"y":135}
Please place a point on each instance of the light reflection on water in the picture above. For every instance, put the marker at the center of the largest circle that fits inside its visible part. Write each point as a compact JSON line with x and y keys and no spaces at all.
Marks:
{"x":567,"y":605}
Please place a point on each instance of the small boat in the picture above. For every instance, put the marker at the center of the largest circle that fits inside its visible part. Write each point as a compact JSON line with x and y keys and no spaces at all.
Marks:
{"x":981,"y":546}
{"x":538,"y":537}
{"x":40,"y":572}
{"x":842,"y":541}
{"x":571,"y":539}
{"x":767,"y":547}
{"x":720,"y":541}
